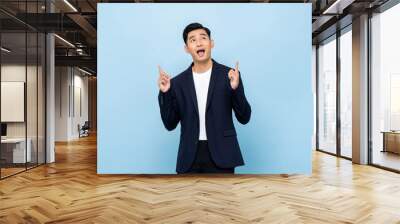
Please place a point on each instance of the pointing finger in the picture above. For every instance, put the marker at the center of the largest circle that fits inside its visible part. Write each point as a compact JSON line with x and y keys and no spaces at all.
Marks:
{"x":159,"y":69}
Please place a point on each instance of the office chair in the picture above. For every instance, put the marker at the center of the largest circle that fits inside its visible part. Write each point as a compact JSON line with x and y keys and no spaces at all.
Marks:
{"x":84,"y":130}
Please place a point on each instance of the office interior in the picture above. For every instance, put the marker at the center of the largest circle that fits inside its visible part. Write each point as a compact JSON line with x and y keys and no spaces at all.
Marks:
{"x":49,"y":74}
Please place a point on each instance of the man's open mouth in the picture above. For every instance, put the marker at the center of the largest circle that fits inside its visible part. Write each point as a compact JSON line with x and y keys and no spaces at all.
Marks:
{"x":201,"y":52}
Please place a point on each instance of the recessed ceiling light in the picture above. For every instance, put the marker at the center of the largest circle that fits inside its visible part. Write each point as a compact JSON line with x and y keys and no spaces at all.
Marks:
{"x":64,"y":40}
{"x":5,"y":50}
{"x":337,"y":7}
{"x":70,"y":5}
{"x":84,"y":71}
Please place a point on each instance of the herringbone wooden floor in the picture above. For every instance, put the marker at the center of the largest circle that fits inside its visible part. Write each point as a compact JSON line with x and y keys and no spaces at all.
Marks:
{"x":70,"y":191}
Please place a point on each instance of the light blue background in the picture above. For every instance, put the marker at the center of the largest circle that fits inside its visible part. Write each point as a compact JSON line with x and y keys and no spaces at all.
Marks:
{"x":272,"y":43}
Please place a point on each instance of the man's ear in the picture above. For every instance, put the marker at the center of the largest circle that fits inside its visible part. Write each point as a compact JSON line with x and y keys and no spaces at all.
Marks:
{"x":212,"y":43}
{"x":186,"y":49}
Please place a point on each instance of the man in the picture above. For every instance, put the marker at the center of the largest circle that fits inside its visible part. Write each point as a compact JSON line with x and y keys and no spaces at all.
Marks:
{"x":201,"y":98}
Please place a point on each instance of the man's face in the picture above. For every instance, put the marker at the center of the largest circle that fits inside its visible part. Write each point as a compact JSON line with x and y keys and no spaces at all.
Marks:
{"x":198,"y":44}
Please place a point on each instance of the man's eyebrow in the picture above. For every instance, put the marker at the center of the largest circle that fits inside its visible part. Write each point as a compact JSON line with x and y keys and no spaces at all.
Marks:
{"x":192,"y":36}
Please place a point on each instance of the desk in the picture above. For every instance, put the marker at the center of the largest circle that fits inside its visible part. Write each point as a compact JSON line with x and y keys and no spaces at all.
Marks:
{"x":17,"y":150}
{"x":391,"y":141}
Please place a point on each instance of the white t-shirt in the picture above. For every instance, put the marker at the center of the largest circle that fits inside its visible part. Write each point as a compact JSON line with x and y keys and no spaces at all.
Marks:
{"x":201,"y":82}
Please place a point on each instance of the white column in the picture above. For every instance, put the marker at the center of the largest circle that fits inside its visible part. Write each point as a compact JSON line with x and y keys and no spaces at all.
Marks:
{"x":360,"y":90}
{"x":50,"y":92}
{"x":50,"y":110}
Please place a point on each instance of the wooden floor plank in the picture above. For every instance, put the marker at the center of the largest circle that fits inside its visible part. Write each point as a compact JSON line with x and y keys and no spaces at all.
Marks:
{"x":70,"y":191}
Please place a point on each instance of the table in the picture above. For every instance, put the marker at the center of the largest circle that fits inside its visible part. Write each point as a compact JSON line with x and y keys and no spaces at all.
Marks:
{"x":391,"y":141}
{"x":15,"y":148}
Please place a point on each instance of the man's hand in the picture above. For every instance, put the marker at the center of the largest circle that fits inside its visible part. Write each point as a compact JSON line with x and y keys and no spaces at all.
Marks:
{"x":164,"y":80}
{"x":234,"y":76}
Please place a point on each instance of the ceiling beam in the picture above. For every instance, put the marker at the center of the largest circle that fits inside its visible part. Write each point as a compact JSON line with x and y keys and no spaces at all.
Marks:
{"x":83,"y":61}
{"x":86,"y":26}
{"x":337,"y":6}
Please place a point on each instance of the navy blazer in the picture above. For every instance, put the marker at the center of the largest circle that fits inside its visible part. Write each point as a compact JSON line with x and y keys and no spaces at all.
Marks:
{"x":179,"y":104}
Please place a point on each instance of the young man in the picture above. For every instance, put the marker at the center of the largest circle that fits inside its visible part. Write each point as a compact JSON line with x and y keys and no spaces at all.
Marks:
{"x":201,"y":98}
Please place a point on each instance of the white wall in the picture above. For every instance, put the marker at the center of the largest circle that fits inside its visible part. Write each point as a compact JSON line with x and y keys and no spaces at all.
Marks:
{"x":70,"y":84}
{"x":61,"y":103}
{"x":79,"y":117}
{"x":15,"y":72}
{"x":9,"y":73}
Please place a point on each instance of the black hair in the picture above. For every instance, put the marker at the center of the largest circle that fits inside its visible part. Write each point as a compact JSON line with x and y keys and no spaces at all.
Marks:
{"x":194,"y":26}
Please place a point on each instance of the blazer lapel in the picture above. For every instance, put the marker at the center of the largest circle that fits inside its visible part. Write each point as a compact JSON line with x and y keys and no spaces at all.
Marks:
{"x":213,"y":80}
{"x":211,"y":85}
{"x":192,"y":89}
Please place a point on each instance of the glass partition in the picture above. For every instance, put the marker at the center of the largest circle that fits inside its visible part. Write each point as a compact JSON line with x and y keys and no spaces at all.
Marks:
{"x":22,"y":63}
{"x":346,"y":93}
{"x":14,"y":153}
{"x":327,"y":95}
{"x":385,"y":89}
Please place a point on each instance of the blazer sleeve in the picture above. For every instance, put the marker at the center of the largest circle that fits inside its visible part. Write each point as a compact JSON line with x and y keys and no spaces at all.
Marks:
{"x":169,"y":108}
{"x":240,"y":105}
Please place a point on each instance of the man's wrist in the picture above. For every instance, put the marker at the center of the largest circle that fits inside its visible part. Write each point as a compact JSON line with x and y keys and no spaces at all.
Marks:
{"x":233,"y":89}
{"x":165,"y":91}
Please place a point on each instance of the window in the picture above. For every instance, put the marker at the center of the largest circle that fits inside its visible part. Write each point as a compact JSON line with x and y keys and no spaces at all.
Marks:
{"x":346,"y":93}
{"x":327,"y":96}
{"x":385,"y":88}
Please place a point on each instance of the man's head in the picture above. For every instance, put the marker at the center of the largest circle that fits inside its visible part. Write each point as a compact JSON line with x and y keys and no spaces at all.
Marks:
{"x":198,"y":42}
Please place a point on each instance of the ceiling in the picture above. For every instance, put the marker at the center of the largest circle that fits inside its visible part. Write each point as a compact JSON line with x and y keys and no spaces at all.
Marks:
{"x":76,"y":22}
